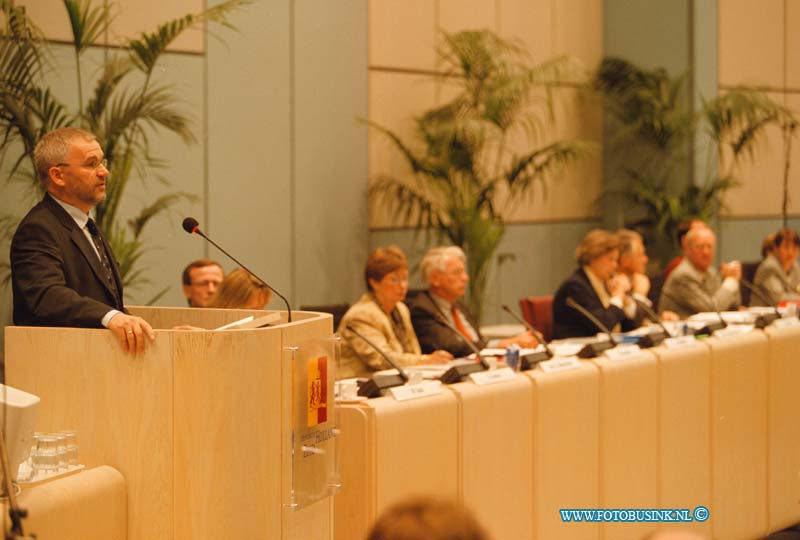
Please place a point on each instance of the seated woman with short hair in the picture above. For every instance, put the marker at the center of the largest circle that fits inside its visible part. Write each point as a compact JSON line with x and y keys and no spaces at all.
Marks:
{"x":240,"y":290}
{"x":381,"y":317}
{"x":778,"y":276}
{"x":596,"y":286}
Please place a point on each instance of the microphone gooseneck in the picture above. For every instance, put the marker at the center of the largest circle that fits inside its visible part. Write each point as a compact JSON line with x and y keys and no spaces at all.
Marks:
{"x":539,"y":337}
{"x":469,"y":343}
{"x":595,"y":321}
{"x":380,"y":351}
{"x":191,"y":226}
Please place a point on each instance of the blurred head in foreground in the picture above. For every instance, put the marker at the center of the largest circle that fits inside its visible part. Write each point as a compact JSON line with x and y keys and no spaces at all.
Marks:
{"x":423,"y":518}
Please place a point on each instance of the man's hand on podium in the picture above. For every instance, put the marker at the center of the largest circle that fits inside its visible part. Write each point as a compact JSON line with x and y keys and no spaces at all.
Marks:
{"x":131,"y":331}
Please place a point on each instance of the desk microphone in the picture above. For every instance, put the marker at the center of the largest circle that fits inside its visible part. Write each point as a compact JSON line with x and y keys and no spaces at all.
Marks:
{"x":709,"y":328}
{"x":764,"y":320}
{"x":651,"y":339}
{"x":375,"y":386}
{"x":190,"y":225}
{"x":530,"y":360}
{"x":459,"y":372}
{"x":590,"y":350}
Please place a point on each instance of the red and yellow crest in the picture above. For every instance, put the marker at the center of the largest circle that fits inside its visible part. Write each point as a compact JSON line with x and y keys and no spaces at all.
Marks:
{"x":317,"y":390}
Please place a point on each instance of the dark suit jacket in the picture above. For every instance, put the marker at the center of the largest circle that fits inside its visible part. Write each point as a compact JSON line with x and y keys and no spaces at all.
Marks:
{"x":569,"y":322}
{"x":433,"y":334}
{"x":56,"y":277}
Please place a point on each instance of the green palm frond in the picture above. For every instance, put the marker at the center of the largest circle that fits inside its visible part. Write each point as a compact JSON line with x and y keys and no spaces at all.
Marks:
{"x":408,"y":203}
{"x":149,"y":46}
{"x":88,"y":22}
{"x":119,"y":174}
{"x":114,"y":71}
{"x":49,"y":111}
{"x":160,"y":205}
{"x":738,"y":118}
{"x":539,"y":163}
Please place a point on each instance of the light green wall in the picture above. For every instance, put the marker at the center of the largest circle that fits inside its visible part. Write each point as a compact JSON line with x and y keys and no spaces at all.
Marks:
{"x":287,"y":160}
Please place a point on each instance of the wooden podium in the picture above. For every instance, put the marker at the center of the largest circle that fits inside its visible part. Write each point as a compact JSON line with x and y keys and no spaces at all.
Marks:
{"x":201,"y":425}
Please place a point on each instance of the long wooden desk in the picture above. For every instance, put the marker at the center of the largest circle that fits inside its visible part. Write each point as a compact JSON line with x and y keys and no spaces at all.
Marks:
{"x":711,"y":424}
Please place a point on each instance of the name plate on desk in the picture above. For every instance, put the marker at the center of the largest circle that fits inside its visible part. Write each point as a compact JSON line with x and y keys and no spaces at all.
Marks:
{"x":786,"y":322}
{"x":414,"y":391}
{"x":678,"y":342}
{"x":482,"y":378}
{"x":619,"y":352}
{"x":560,"y":363}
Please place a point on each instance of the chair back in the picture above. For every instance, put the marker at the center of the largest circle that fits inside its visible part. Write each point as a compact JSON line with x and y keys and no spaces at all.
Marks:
{"x":748,"y":273}
{"x":337,"y":310}
{"x":538,"y":311}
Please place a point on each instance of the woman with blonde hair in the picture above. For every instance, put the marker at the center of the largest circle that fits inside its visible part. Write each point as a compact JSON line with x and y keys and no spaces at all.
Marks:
{"x":383,"y":318}
{"x":597,"y":286}
{"x":240,"y":290}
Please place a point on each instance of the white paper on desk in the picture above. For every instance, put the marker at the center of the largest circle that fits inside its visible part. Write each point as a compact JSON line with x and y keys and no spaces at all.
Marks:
{"x":730,"y":317}
{"x":567,"y":349}
{"x":252,"y":322}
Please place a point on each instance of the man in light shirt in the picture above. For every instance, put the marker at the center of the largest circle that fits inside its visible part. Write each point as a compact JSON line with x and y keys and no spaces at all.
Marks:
{"x":695,"y":286}
{"x":63,"y":272}
{"x":444,"y":270}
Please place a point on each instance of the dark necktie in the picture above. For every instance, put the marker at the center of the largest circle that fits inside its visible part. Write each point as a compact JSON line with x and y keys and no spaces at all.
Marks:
{"x":101,"y":252}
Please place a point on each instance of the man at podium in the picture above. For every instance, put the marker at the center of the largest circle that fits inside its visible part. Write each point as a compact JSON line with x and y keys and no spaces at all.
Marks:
{"x":63,"y":272}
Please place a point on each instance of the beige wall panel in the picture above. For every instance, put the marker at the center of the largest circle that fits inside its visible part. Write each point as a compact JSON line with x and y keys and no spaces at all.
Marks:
{"x":456,"y":15}
{"x":50,"y":16}
{"x":758,"y":59}
{"x":792,"y":45}
{"x":529,"y":21}
{"x":578,"y":30}
{"x":402,"y":33}
{"x":761,"y":177}
{"x":394,"y":100}
{"x":136,"y":16}
{"x":130,"y":18}
{"x":793,"y":102}
{"x":571,"y":193}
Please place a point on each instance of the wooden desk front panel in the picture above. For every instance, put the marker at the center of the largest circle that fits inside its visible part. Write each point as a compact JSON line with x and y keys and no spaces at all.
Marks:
{"x":628,"y":440}
{"x":566,"y":444}
{"x":684,"y":443}
{"x":739,"y":436}
{"x":496,"y":447}
{"x":783,"y":427}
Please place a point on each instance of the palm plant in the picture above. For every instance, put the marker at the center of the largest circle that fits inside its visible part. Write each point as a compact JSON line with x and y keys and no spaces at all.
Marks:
{"x":465,"y":177}
{"x":656,"y":130}
{"x":123,"y":111}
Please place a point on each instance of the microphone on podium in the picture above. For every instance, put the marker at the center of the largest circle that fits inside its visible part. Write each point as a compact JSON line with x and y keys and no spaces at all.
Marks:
{"x":590,"y":350}
{"x":375,"y":386}
{"x":191,"y":226}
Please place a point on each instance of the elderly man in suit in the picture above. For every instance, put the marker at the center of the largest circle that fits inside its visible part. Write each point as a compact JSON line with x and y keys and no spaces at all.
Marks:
{"x":436,"y":310}
{"x":695,"y":286}
{"x":63,"y":271}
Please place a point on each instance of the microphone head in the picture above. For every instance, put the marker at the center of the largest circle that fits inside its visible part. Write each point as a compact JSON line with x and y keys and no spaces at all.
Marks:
{"x":190,"y":225}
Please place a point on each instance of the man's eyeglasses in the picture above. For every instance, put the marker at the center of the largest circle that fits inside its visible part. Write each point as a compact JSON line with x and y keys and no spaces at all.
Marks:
{"x":93,"y":165}
{"x":206,"y":283}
